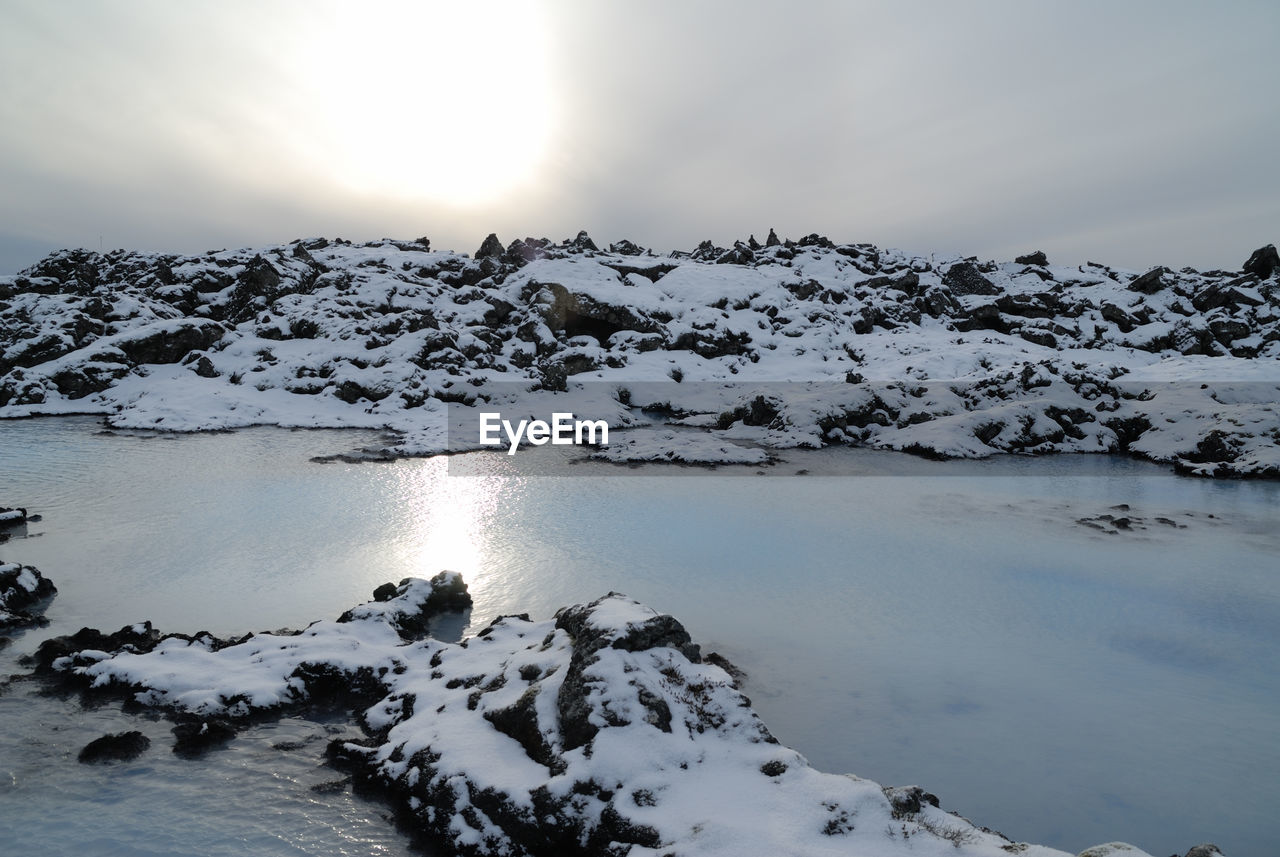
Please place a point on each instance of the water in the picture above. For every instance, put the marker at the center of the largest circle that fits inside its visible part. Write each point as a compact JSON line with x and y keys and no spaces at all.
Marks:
{"x":962,"y":631}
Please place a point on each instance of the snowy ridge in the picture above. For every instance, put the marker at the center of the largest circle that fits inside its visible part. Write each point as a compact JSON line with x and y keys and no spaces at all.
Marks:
{"x":600,"y":731}
{"x":795,"y":343}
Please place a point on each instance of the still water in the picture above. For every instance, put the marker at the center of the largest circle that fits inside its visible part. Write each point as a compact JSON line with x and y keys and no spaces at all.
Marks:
{"x":952,"y":626}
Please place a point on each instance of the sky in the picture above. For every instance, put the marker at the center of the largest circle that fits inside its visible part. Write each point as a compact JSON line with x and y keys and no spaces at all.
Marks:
{"x":1131,"y":133}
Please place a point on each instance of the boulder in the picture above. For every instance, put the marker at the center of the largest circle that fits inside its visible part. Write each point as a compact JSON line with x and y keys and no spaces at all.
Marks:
{"x":1230,"y":295}
{"x":575,"y":702}
{"x":116,"y":747}
{"x":625,"y":248}
{"x":24,"y":593}
{"x":410,"y":605}
{"x":194,"y":735}
{"x":964,"y":278}
{"x":582,"y":242}
{"x":707,"y":251}
{"x":741,"y":254}
{"x":1149,"y":283}
{"x":170,"y":343}
{"x":1263,"y":261}
{"x":1036,"y":258}
{"x":490,"y":248}
{"x":574,"y":314}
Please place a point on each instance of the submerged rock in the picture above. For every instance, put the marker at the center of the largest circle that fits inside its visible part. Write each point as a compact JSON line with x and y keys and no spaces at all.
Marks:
{"x":194,"y":735}
{"x":117,"y":747}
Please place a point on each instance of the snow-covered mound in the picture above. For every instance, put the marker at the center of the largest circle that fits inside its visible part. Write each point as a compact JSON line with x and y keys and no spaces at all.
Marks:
{"x":600,"y":731}
{"x":785,"y":344}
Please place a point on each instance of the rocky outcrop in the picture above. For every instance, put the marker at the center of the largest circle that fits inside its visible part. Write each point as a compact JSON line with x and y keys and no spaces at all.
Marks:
{"x":24,"y":593}
{"x":383,"y":332}
{"x":1262,"y":262}
{"x":12,"y":517}
{"x":600,"y":731}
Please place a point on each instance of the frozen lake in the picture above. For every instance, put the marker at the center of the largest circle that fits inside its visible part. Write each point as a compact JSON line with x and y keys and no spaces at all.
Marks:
{"x":949,"y":625}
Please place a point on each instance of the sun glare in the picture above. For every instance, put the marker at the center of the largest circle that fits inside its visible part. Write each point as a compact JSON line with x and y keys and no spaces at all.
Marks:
{"x":449,"y":102}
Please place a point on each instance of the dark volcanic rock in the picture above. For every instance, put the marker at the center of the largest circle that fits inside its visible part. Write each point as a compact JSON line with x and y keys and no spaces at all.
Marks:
{"x":131,"y":638}
{"x":117,"y":747}
{"x":390,"y":327}
{"x":582,"y":242}
{"x":964,"y":278}
{"x":194,"y":735}
{"x":410,"y":605}
{"x":1263,"y":261}
{"x":625,"y":248}
{"x":490,"y":248}
{"x":172,"y":344}
{"x":15,"y":517}
{"x":574,"y":702}
{"x":24,"y":593}
{"x":1223,"y":295}
{"x":1150,"y":282}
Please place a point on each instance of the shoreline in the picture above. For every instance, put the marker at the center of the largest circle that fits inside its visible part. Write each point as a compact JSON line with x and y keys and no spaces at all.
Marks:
{"x":655,"y":645}
{"x":798,"y":344}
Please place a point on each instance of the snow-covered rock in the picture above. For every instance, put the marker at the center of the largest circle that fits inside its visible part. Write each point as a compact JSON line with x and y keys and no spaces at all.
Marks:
{"x":851,"y":343}
{"x":10,"y":517}
{"x":24,"y":592}
{"x":602,"y":730}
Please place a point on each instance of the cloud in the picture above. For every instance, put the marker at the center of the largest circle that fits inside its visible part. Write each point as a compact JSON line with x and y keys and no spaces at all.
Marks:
{"x":1135,"y":134}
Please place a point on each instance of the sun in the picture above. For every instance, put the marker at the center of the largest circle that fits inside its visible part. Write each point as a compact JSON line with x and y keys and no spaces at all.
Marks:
{"x":440,"y":101}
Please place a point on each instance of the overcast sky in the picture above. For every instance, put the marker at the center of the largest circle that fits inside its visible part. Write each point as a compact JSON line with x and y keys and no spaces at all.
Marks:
{"x":1133,"y":133}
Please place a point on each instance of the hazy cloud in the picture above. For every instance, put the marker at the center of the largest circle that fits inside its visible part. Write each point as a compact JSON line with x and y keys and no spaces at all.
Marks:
{"x":1134,"y":134}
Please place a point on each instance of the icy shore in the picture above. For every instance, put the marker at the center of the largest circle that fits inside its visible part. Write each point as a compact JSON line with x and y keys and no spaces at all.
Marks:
{"x":603,"y":730}
{"x":756,"y":346}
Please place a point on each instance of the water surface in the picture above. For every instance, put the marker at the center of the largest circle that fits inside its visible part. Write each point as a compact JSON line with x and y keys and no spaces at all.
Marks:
{"x":948,"y":625}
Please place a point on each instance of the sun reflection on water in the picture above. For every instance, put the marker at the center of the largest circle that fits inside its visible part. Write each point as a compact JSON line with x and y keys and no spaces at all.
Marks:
{"x":449,"y":520}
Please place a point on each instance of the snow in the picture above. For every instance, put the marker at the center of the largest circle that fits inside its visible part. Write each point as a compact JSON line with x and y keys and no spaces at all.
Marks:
{"x":393,"y":336}
{"x":674,"y":761}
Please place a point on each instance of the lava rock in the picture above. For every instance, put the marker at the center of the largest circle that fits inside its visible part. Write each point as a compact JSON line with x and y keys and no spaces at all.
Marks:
{"x":490,"y":248}
{"x":194,"y":735}
{"x":24,"y":593}
{"x":116,"y":747}
{"x":964,"y":278}
{"x":1263,"y":261}
{"x":131,"y":638}
{"x":1149,"y":283}
{"x":173,"y":343}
